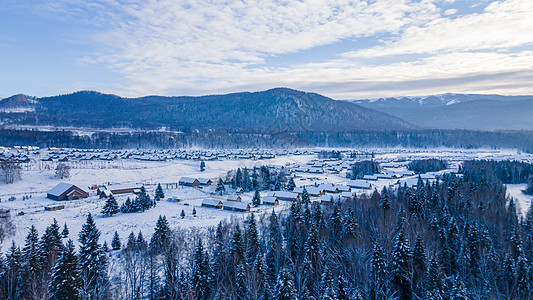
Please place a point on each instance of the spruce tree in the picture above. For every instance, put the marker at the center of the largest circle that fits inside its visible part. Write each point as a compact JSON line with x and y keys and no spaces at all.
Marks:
{"x":305,"y":197}
{"x":291,"y":185}
{"x":161,"y":236}
{"x":220,"y":189}
{"x":434,"y":282}
{"x":401,"y":266}
{"x":130,"y":244}
{"x":51,"y":245}
{"x":202,"y":166}
{"x":115,"y":243}
{"x":256,"y":200}
{"x":12,"y":276}
{"x":111,"y":207}
{"x":66,"y":282}
{"x":140,"y":243}
{"x":285,"y":287}
{"x":385,"y":199}
{"x":65,"y":232}
{"x":241,"y":291}
{"x":200,"y":273}
{"x":252,"y":239}
{"x":92,"y":260}
{"x":182,"y":214}
{"x":237,"y":246}
{"x":31,"y":254}
{"x":159,"y":192}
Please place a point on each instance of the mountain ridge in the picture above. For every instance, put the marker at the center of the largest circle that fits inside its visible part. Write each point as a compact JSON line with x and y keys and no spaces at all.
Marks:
{"x":278,"y":109}
{"x":459,"y":111}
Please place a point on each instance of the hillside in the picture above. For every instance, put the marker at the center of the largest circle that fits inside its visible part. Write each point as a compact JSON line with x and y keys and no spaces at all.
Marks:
{"x":275,"y":110}
{"x":459,"y":111}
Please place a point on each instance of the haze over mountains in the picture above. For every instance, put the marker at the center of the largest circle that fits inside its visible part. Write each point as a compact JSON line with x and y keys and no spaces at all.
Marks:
{"x":274,"y":110}
{"x":459,"y":111}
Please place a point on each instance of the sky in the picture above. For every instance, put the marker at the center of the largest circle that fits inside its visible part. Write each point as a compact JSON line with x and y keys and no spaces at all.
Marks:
{"x":339,"y":48}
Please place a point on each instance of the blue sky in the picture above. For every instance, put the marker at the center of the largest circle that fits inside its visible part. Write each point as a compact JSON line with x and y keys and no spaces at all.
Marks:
{"x":340,"y":48}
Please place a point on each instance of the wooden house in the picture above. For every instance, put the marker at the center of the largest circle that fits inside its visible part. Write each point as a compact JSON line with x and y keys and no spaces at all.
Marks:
{"x":236,"y":206}
{"x":66,"y":191}
{"x":214,"y":203}
{"x":270,"y":200}
{"x":188,"y":181}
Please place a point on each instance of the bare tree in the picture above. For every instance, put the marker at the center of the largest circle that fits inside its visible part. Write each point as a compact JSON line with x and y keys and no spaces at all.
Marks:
{"x":62,"y":171}
{"x":6,"y":226}
{"x":11,"y":171}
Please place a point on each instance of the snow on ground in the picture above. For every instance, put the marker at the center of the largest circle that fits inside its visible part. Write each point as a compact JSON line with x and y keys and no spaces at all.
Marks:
{"x":38,"y":177}
{"x":36,"y":181}
{"x":523,"y":200}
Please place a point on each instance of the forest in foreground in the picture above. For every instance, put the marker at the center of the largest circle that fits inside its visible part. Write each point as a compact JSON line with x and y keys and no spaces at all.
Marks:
{"x":458,"y":238}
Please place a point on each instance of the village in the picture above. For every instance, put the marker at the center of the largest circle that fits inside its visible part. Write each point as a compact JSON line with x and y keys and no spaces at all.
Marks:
{"x":191,"y":179}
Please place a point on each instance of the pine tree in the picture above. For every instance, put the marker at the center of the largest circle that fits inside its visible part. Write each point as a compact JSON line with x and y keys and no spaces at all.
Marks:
{"x":30,"y":254}
{"x":143,"y":200}
{"x":65,"y":231}
{"x":305,"y":197}
{"x":111,"y":207}
{"x":200,"y":273}
{"x":182,"y":214}
{"x":349,"y":223}
{"x":285,"y":287}
{"x":378,"y":271}
{"x":140,"y":243}
{"x":256,"y":200}
{"x":401,"y":266}
{"x":127,"y":207}
{"x":252,"y":239}
{"x":161,"y":237}
{"x":291,"y":185}
{"x":434,"y":282}
{"x":241,"y":291}
{"x":159,"y":192}
{"x":92,"y":260}
{"x":105,"y":247}
{"x":66,"y":282}
{"x":202,"y":166}
{"x":12,"y":276}
{"x":419,"y":259}
{"x":51,"y":245}
{"x":115,"y":243}
{"x":194,"y":211}
{"x":384,"y":199}
{"x":220,"y":189}
{"x":237,"y":246}
{"x":327,"y":285}
{"x":130,"y":244}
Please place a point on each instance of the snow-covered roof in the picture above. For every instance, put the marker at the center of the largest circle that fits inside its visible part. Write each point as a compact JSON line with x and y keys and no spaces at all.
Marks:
{"x":211,"y":202}
{"x":187,"y":179}
{"x":234,"y":198}
{"x":359,"y":184}
{"x":203,"y":180}
{"x":60,"y":188}
{"x":269,"y":199}
{"x":236,"y":205}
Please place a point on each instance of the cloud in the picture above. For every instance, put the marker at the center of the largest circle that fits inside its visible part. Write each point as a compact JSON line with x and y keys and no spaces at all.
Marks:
{"x":207,"y":46}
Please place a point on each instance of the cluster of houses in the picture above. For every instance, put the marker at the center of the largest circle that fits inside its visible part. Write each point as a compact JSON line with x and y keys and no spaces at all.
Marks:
{"x":69,"y":191}
{"x":232,"y":202}
{"x":72,"y":154}
{"x":194,"y":182}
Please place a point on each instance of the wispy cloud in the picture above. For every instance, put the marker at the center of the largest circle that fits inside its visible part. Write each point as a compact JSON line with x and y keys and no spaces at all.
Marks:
{"x":198,"y":47}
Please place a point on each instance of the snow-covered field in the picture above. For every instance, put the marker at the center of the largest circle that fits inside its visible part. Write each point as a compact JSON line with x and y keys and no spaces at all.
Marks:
{"x":38,"y":177}
{"x":36,"y":182}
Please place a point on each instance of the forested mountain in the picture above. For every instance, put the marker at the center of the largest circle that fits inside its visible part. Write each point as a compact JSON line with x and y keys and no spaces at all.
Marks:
{"x":459,"y":111}
{"x":273,"y":110}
